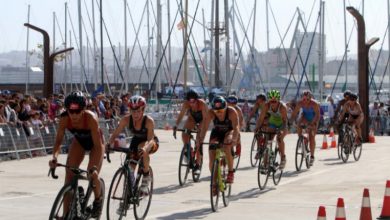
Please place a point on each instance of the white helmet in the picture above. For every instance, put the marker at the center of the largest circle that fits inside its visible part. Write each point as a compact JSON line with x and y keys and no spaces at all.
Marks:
{"x":137,"y":102}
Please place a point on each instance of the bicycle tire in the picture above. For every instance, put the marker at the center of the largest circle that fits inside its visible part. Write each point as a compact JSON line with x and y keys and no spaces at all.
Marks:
{"x":308,"y":154}
{"x":357,"y":151}
{"x":57,"y":208}
{"x":102,"y":194}
{"x":115,"y":198}
{"x":236,"y":158}
{"x":184,"y":166}
{"x":262,"y":177}
{"x":277,"y":173}
{"x":227,"y":187}
{"x":346,"y":148}
{"x":196,"y":177}
{"x":142,"y":204}
{"x":254,"y":151}
{"x":214,"y":184}
{"x":299,"y":154}
{"x":339,"y":144}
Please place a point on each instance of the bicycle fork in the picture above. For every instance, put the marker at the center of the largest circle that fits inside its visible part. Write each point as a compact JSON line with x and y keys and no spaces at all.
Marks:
{"x":221,"y":184}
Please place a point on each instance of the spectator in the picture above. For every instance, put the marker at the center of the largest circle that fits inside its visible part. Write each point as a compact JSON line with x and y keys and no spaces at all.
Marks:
{"x":124,"y":108}
{"x":374,"y":116}
{"x":331,"y":109}
{"x":2,"y":112}
{"x":383,"y":114}
{"x":35,"y":119}
{"x":245,"y":109}
{"x":13,"y":117}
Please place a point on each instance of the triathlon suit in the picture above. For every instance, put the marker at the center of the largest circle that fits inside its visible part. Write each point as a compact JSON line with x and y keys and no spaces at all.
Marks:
{"x":354,"y":113}
{"x":83,"y":136}
{"x":140,"y":136}
{"x":275,"y":118}
{"x":220,"y":129}
{"x":308,"y":113}
{"x":196,"y":115}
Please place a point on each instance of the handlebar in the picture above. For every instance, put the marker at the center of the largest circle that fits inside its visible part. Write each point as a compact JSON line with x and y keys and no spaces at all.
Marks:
{"x":52,"y":171}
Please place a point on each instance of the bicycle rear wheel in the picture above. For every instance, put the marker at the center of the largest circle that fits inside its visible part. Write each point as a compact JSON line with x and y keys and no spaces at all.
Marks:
{"x":117,"y":202}
{"x":299,"y":154}
{"x":227,"y":187}
{"x":263,"y":169}
{"x":345,"y":148}
{"x":184,"y":165}
{"x":57,"y":210}
{"x":357,"y":151}
{"x":214,"y":187}
{"x":254,"y":150}
{"x":277,"y":172}
{"x":142,"y":203}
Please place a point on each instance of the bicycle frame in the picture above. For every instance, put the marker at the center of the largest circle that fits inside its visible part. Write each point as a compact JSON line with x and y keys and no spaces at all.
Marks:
{"x":219,"y":156}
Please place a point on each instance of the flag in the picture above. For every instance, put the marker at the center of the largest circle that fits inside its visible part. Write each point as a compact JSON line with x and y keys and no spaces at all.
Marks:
{"x":181,"y":25}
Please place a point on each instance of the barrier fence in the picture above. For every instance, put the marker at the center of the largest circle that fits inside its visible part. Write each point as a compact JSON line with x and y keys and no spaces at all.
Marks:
{"x":27,"y":141}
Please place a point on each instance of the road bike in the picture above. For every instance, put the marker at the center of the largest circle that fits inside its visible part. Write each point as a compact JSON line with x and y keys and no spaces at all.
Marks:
{"x":302,"y":151}
{"x":348,"y":145}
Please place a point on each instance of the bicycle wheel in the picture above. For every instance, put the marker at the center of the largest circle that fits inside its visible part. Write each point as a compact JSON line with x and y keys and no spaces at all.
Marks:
{"x":87,"y":203}
{"x":195,"y":176}
{"x":345,"y":149}
{"x":214,"y":187}
{"x":357,"y":151}
{"x":299,"y":154}
{"x":142,"y":203}
{"x":308,"y":154}
{"x":227,"y":187}
{"x":236,"y":158}
{"x":339,"y":144}
{"x":117,"y":204}
{"x":184,"y":166}
{"x":263,"y":169}
{"x":57,"y":210}
{"x":253,"y":157}
{"x":277,"y":173}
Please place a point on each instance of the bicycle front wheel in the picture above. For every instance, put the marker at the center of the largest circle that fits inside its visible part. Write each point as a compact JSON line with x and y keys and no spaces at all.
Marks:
{"x":143,"y":200}
{"x":227,"y":187}
{"x":357,"y":151}
{"x":263,"y":169}
{"x":254,"y":150}
{"x":214,"y":186}
{"x":57,"y":210}
{"x":117,"y":202}
{"x":277,"y":172}
{"x":299,"y":154}
{"x":236,"y":157}
{"x":307,"y":154}
{"x":345,"y":148}
{"x":184,"y":165}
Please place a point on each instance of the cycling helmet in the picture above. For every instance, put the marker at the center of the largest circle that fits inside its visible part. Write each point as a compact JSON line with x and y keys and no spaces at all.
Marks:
{"x":218,"y":103}
{"x":274,"y":94}
{"x":191,"y":94}
{"x":137,"y":102}
{"x":347,"y":93}
{"x":306,"y":93}
{"x":76,"y":97}
{"x":261,"y":96}
{"x":353,"y":96}
{"x":232,"y":99}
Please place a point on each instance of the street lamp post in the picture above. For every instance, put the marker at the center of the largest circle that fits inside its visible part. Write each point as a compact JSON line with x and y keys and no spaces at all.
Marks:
{"x":363,"y":79}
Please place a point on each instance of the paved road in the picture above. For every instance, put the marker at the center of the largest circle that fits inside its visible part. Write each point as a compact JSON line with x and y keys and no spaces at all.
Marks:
{"x":27,"y":193}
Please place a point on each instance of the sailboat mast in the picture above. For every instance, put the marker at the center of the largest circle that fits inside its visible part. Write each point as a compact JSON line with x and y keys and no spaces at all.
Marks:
{"x":81,"y":45}
{"x":101,"y":44}
{"x":204,"y":41}
{"x":159,"y":44}
{"x":126,"y":63}
{"x":227,"y":46}
{"x":169,"y":40}
{"x":185,"y":44}
{"x":345,"y":43}
{"x":27,"y":52}
{"x":267,"y":21}
{"x":388,"y":37}
{"x":148,"y":25}
{"x":95,"y":74}
{"x":212,"y":46}
{"x":217,"y":80}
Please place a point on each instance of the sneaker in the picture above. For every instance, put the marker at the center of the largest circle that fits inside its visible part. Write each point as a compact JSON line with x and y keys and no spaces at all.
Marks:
{"x":230,"y":177}
{"x":311,"y":160}
{"x":121,"y":208}
{"x":144,"y":189}
{"x":97,"y":208}
{"x":282,"y":163}
{"x":197,"y":169}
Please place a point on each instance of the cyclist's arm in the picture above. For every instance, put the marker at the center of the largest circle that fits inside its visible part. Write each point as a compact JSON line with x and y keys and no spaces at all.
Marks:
{"x":338,"y":108}
{"x":252,"y":113}
{"x":122,"y":124}
{"x":317,"y":113}
{"x":183,"y":110}
{"x":205,"y":115}
{"x":260,"y":121}
{"x":59,"y":136}
{"x":283,"y":112}
{"x":150,"y":126}
{"x":341,"y":116}
{"x":240,"y":117}
{"x":207,"y":120}
{"x":361,"y":115}
{"x":95,"y":132}
{"x":233,"y":116}
{"x":295,"y":112}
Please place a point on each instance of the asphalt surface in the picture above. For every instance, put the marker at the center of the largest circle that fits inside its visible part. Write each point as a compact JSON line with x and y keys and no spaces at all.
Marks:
{"x":27,"y":193}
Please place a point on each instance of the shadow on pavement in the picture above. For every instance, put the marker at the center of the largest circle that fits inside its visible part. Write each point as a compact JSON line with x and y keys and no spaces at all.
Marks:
{"x":171,"y":188}
{"x":247,"y":168}
{"x":194,"y":214}
{"x":251,"y":193}
{"x":288,"y":174}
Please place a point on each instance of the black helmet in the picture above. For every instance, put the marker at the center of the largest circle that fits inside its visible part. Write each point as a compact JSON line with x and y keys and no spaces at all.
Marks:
{"x":218,"y":103}
{"x":347,"y":93}
{"x":261,"y":96}
{"x":76,"y":97}
{"x":232,"y":99}
{"x":353,"y":96}
{"x":192,"y":94}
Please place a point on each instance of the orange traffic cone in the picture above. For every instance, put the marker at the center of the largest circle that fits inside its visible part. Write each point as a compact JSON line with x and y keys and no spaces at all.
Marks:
{"x":331,"y":134}
{"x":324,"y":143}
{"x":371,"y":136}
{"x":386,"y":203}
{"x":365,"y":212}
{"x":333,"y":144}
{"x":321,"y":213}
{"x":340,"y":211}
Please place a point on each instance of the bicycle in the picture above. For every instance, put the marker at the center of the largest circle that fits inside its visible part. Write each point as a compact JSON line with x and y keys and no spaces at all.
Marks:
{"x":187,"y":159}
{"x":269,"y":161}
{"x":125,"y":188}
{"x":218,"y":183}
{"x":302,"y":150}
{"x":256,"y":148}
{"x":348,"y":144}
{"x":80,"y":205}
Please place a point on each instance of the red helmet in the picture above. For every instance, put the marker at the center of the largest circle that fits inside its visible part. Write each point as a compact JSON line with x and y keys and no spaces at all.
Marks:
{"x":137,"y":102}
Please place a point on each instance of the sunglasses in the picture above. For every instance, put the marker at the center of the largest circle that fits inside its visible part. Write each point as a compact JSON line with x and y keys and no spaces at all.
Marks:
{"x":74,"y":111}
{"x":218,"y":110}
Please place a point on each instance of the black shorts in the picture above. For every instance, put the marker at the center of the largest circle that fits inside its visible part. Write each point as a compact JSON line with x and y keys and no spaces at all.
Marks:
{"x":135,"y":142}
{"x":217,"y":135}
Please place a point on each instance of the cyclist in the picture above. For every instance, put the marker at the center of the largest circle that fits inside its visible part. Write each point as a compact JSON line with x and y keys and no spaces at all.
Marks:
{"x":144,"y":140}
{"x":84,"y":125}
{"x":277,"y":119}
{"x":196,"y":109}
{"x":225,"y":131}
{"x":355,"y":116}
{"x":232,"y":102}
{"x":261,"y":99}
{"x":339,"y":108}
{"x":310,"y":117}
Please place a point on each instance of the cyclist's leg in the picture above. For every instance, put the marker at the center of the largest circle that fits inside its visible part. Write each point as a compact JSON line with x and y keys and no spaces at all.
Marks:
{"x":94,"y":166}
{"x":280,"y":139}
{"x":312,"y":139}
{"x":190,"y":124}
{"x":214,"y":139}
{"x":238,"y":145}
{"x":199,"y":151}
{"x":229,"y":157}
{"x":75,"y":157}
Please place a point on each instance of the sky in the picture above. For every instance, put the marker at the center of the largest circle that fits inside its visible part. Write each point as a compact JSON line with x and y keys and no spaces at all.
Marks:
{"x":13,"y":14}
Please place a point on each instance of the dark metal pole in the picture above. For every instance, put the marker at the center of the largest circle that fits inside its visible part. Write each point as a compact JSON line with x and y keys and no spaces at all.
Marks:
{"x":363,"y":82}
{"x":217,"y":80}
{"x":101,"y":43}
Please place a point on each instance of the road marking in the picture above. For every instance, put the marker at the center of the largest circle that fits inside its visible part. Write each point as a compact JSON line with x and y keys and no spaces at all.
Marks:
{"x":33,"y":195}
